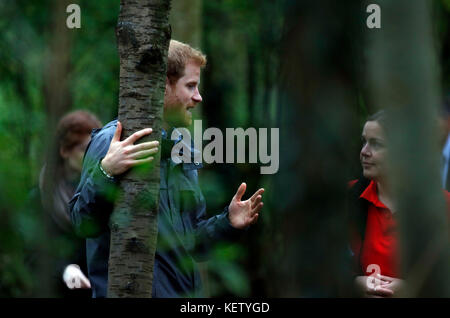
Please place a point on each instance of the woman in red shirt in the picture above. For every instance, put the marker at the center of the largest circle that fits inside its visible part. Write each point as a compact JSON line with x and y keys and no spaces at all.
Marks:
{"x":375,"y":247}
{"x":374,"y":235}
{"x":372,"y":215}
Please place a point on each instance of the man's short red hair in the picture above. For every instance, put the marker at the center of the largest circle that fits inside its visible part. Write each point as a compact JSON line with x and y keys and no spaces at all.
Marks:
{"x":179,"y":55}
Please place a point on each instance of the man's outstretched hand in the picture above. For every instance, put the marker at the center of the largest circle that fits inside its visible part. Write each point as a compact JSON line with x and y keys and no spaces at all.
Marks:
{"x":244,"y":213}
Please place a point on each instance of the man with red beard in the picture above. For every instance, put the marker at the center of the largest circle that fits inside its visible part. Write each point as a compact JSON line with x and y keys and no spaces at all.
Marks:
{"x":184,"y":232}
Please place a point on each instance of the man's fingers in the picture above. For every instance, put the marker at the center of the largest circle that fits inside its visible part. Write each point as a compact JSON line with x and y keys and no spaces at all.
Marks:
{"x":258,"y":208}
{"x":141,"y":161}
{"x":118,"y":132}
{"x":145,"y":146}
{"x":240,"y":192}
{"x":144,"y":153}
{"x":254,"y":219}
{"x":137,"y":135}
{"x":255,"y":195}
{"x":256,"y":202}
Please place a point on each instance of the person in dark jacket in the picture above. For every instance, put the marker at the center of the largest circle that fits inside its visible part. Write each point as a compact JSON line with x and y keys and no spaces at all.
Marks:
{"x":184,"y":232}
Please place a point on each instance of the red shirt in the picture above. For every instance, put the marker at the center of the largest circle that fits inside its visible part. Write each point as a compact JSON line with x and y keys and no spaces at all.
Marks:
{"x":380,"y":239}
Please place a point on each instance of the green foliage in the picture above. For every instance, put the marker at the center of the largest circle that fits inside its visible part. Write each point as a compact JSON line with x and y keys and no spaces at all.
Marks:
{"x":242,"y":40}
{"x":95,"y":73}
{"x":446,"y":4}
{"x":93,"y":81}
{"x":227,"y":275}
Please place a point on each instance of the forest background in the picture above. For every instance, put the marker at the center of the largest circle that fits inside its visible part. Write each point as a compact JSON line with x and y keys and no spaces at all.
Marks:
{"x":301,"y":66}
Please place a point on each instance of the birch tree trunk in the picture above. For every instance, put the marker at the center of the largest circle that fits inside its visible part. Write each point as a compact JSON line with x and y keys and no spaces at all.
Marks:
{"x":143,"y":35}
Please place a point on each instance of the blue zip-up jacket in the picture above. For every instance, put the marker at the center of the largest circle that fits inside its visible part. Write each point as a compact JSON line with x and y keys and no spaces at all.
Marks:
{"x":184,"y":233}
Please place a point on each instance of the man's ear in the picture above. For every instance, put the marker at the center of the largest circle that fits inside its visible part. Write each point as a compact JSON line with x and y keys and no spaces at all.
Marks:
{"x":64,"y":153}
{"x":167,"y":83}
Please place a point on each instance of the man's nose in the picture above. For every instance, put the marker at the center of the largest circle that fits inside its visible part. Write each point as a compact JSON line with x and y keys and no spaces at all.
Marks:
{"x":197,"y":97}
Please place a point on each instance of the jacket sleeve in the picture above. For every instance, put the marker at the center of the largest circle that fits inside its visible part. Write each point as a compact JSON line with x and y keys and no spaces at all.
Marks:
{"x":92,"y":203}
{"x":213,"y":230}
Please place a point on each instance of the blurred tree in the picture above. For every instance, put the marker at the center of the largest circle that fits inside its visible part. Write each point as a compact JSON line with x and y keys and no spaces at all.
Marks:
{"x":186,"y":21}
{"x":143,"y":36}
{"x":241,"y":40}
{"x":57,"y":101}
{"x":309,"y":253}
{"x":21,"y":99}
{"x":95,"y":60}
{"x":405,"y":80}
{"x":441,"y":28}
{"x":57,"y":95}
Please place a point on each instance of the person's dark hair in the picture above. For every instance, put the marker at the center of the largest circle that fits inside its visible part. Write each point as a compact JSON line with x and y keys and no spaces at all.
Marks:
{"x":379,"y":117}
{"x":55,"y":188}
{"x":73,"y":128}
{"x":71,"y":131}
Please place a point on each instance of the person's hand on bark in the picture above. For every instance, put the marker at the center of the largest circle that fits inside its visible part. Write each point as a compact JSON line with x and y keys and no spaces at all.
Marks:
{"x":122,"y":155}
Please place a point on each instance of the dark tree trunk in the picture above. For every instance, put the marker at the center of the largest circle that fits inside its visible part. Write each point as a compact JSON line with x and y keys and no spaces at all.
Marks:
{"x":57,"y":67}
{"x":318,"y":99}
{"x":186,"y":21}
{"x":143,"y":35}
{"x":405,"y":81}
{"x":58,"y":101}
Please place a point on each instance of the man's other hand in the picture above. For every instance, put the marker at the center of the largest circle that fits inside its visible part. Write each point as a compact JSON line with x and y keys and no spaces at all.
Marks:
{"x":122,"y":155}
{"x":244,"y":213}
